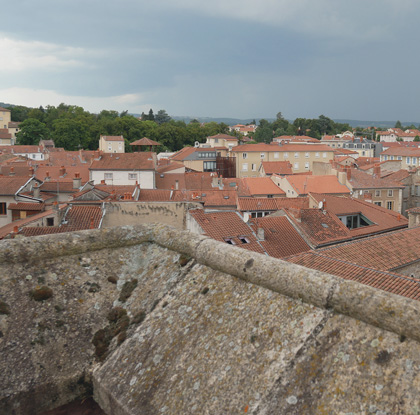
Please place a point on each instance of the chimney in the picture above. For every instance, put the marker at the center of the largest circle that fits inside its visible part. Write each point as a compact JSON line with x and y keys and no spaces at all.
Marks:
{"x":62,"y":171}
{"x":176,"y":184}
{"x":96,"y":155}
{"x":377,"y":170}
{"x":102,"y":181}
{"x":12,"y":171}
{"x":297,"y":213}
{"x":47,"y":176}
{"x":31,"y":171}
{"x":91,"y":223}
{"x":260,"y":234}
{"x":348,"y":172}
{"x":77,"y":181}
{"x":36,"y":190}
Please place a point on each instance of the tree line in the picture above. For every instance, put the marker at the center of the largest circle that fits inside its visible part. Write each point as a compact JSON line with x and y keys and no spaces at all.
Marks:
{"x":73,"y":128}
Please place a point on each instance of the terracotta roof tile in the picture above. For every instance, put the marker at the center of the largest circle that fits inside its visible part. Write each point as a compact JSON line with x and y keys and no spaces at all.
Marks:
{"x":281,"y":239}
{"x":385,"y":252}
{"x":26,"y":206}
{"x":11,"y":184}
{"x":124,"y":161}
{"x":277,"y":167}
{"x":223,"y":226}
{"x":254,"y":204}
{"x":391,"y":282}
{"x":262,"y":186}
{"x":329,"y":184}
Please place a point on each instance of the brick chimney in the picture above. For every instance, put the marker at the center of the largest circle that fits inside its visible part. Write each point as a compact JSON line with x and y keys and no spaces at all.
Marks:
{"x":31,"y":171}
{"x":348,"y":172}
{"x":12,"y":171}
{"x":62,"y":171}
{"x":377,"y":170}
{"x":47,"y":176}
{"x":77,"y":181}
{"x":297,"y":213}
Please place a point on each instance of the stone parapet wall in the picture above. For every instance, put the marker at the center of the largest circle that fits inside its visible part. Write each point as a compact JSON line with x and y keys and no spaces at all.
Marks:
{"x":157,"y":320}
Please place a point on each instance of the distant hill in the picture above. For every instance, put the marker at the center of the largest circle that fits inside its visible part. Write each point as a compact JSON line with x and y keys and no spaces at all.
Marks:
{"x":233,"y":121}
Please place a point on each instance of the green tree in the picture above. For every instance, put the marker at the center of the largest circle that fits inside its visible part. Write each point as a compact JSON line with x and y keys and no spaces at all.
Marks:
{"x":416,"y":138}
{"x":264,"y":132}
{"x":162,"y":116}
{"x":31,"y":131}
{"x":398,"y":125}
{"x":151,"y":116}
{"x":70,"y":134}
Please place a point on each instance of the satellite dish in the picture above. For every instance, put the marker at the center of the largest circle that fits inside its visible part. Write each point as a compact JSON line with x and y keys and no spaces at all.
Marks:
{"x":320,"y":205}
{"x":196,"y":144}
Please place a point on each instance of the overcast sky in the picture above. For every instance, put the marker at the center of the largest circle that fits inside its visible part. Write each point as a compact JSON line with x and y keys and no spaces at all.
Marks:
{"x":357,"y":59}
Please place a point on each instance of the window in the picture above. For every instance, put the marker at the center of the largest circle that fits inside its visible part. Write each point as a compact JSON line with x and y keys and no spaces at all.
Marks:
{"x":108,"y":176}
{"x":244,"y":155}
{"x":243,"y":239}
{"x":414,"y":160}
{"x":109,"y":148}
{"x":391,"y":157}
{"x":132,"y":176}
{"x":3,"y":208}
{"x":378,"y":203}
{"x":317,"y":155}
{"x":276,"y":155}
{"x":390,"y":193}
{"x":385,"y":158}
{"x":296,"y":155}
{"x":209,"y":166}
{"x":408,"y":160}
{"x":399,"y":157}
{"x":216,"y":140}
{"x":50,"y":221}
{"x":286,"y":155}
{"x":307,"y":165}
{"x":377,"y":193}
{"x":324,"y":155}
{"x":244,"y":166}
{"x":307,"y":155}
{"x":254,"y":167}
{"x":262,"y":155}
{"x":229,"y":241}
{"x":390,"y":205}
{"x":296,"y":165}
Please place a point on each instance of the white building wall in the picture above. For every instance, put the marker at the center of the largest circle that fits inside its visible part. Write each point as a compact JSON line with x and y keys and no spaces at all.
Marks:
{"x":146,"y":178}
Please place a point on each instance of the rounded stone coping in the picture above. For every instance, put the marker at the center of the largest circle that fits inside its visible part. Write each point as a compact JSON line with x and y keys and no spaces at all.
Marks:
{"x":373,"y":306}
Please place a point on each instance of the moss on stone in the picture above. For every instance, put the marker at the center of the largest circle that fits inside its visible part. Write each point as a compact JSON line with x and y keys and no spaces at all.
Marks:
{"x":127,"y":290}
{"x":4,"y":308}
{"x":41,"y":293}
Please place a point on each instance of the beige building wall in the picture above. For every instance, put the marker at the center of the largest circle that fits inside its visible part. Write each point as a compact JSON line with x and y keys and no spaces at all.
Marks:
{"x":134,"y":213}
{"x":248,"y":163}
{"x":111,"y":146}
{"x":5,"y":118}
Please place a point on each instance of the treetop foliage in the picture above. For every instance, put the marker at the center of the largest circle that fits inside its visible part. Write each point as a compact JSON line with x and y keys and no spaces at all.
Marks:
{"x":72,"y":128}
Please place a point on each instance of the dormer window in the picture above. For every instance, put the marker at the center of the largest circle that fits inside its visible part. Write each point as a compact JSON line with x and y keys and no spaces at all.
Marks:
{"x":243,"y":239}
{"x":229,"y":241}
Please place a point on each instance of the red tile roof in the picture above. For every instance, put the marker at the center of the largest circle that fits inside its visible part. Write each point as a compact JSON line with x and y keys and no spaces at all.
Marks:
{"x":277,"y":167}
{"x":385,"y":252}
{"x":26,"y":206}
{"x":383,"y":219}
{"x":124,"y":161}
{"x":183,"y":153}
{"x":329,"y":184}
{"x":318,"y":227}
{"x":255,"y":204}
{"x":9,"y":185}
{"x":362,"y":180}
{"x":227,"y":225}
{"x":391,"y":282}
{"x":281,"y":239}
{"x":262,"y":186}
{"x":145,"y":142}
